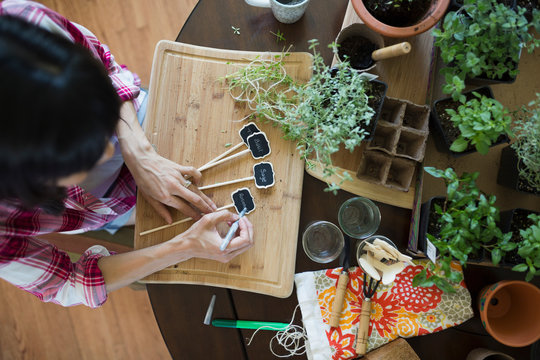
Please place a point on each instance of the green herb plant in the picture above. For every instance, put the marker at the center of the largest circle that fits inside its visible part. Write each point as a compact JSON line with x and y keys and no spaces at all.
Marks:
{"x":329,"y":111}
{"x":529,"y":249}
{"x":481,"y":121}
{"x":468,"y":224}
{"x":483,"y":37}
{"x":279,"y":36}
{"x":527,"y":142}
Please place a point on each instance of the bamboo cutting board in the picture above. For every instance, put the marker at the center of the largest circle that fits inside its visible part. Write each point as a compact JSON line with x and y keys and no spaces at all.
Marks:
{"x":190,"y":121}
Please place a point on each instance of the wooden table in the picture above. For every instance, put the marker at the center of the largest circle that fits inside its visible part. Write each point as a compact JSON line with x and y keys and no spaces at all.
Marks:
{"x":180,"y":309}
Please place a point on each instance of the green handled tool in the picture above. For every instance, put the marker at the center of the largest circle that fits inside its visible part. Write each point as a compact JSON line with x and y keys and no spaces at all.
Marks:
{"x":247,"y":324}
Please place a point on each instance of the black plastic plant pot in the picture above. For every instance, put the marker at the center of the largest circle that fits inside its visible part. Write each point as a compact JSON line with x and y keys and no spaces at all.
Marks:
{"x":514,"y":220}
{"x":508,"y":174}
{"x":376,"y":103}
{"x":425,"y":210}
{"x":438,"y":128}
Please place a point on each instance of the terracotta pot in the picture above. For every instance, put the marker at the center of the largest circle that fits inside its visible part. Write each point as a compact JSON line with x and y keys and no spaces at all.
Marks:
{"x":510,"y":313}
{"x":430,"y":19}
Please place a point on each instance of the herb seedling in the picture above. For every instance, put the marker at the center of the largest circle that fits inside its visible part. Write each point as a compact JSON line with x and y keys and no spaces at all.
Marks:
{"x":468,"y":224}
{"x":482,"y":38}
{"x":529,"y":249}
{"x":527,"y":144}
{"x":329,"y":111}
{"x":279,"y":36}
{"x":481,"y":121}
{"x":236,"y":30}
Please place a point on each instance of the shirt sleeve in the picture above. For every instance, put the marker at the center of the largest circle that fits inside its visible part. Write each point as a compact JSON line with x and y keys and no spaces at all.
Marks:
{"x":126,"y":83}
{"x":48,"y":273}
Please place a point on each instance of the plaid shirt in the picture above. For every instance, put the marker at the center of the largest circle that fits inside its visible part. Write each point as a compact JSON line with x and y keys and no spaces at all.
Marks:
{"x":33,"y":264}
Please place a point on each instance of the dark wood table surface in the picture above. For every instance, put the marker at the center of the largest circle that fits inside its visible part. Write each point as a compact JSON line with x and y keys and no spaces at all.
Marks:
{"x":180,"y":309}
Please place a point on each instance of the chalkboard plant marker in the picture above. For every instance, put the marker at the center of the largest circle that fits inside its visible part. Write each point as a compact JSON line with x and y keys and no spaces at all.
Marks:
{"x":241,"y":198}
{"x":245,"y":132}
{"x":258,"y":146}
{"x":263,"y":174}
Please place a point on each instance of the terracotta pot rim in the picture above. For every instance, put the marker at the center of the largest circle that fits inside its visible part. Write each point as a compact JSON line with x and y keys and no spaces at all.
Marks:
{"x":483,"y":314}
{"x":437,"y":12}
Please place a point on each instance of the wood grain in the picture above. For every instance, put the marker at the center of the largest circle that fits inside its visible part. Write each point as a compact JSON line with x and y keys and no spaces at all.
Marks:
{"x":399,"y":73}
{"x":190,"y":120}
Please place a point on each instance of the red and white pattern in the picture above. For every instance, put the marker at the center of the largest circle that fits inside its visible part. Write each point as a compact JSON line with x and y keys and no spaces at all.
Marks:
{"x":37,"y":266}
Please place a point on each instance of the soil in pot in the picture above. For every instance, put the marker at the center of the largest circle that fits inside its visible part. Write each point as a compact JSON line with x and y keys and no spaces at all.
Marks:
{"x":400,"y":13}
{"x":290,"y":2}
{"x":377,"y":93}
{"x":529,"y":6}
{"x":358,"y":50}
{"x":451,"y":132}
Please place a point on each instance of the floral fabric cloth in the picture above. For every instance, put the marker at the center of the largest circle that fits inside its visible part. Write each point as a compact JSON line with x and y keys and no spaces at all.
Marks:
{"x":398,"y":310}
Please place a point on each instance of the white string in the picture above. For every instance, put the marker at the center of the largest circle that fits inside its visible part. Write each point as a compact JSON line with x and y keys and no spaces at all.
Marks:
{"x":290,"y":338}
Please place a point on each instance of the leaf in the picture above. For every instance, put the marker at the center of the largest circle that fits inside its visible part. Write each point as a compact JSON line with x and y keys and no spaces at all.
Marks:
{"x":459,"y":145}
{"x":520,"y":268}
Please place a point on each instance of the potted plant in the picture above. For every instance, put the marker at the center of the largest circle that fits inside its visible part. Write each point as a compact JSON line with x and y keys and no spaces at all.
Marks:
{"x":465,"y":225}
{"x":337,"y":107}
{"x":400,"y":18}
{"x":475,"y":122}
{"x":482,"y":39}
{"x":356,"y":43}
{"x":529,"y":248}
{"x":520,"y":162}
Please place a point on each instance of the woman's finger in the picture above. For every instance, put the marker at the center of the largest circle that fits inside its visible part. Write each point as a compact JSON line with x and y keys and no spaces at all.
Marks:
{"x":190,"y":172}
{"x":159,"y":207}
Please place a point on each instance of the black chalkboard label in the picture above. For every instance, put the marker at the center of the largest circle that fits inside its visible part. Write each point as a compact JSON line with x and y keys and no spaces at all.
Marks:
{"x":259,"y":145}
{"x":264,"y":175}
{"x":247,"y":131}
{"x":242,"y":199}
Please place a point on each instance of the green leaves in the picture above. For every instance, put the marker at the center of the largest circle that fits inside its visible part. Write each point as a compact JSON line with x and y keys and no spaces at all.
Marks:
{"x":529,"y":248}
{"x":483,"y":37}
{"x":527,"y":144}
{"x":328,"y":112}
{"x":468,"y":224}
{"x":481,"y":121}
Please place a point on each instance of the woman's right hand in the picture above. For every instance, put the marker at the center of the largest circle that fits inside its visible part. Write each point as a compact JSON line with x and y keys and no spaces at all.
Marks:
{"x":204,"y":239}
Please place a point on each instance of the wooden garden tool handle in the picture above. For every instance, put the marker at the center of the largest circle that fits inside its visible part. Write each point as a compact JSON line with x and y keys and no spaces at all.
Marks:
{"x":391,"y":51}
{"x":363,"y":328}
{"x":337,"y":305}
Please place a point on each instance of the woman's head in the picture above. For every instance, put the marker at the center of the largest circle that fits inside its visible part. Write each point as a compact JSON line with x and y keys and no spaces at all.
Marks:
{"x":58,"y":110}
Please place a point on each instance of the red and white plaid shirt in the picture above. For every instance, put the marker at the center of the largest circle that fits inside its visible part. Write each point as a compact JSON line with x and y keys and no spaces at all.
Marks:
{"x":33,"y":264}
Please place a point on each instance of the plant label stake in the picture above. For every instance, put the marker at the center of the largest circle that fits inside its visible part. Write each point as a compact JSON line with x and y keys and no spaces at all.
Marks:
{"x":258,"y":145}
{"x":263,"y":174}
{"x":245,"y":132}
{"x":241,"y":199}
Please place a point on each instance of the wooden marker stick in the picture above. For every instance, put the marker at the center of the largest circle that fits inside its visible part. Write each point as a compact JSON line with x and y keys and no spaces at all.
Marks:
{"x":224,"y":154}
{"x":208,"y":166}
{"x":391,"y":51}
{"x":179,"y":222}
{"x":339,"y":299}
{"x":226,"y":183}
{"x":363,"y":327}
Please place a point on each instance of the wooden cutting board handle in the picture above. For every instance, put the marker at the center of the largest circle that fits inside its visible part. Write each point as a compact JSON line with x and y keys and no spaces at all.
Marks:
{"x":363,"y":328}
{"x":391,"y":51}
{"x":339,"y":299}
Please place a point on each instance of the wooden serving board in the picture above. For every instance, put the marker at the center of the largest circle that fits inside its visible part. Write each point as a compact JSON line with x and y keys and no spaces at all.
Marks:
{"x":408,"y":78}
{"x":190,"y":120}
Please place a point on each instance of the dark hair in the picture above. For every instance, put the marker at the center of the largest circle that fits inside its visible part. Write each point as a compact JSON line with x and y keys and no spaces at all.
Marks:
{"x":59,"y":109}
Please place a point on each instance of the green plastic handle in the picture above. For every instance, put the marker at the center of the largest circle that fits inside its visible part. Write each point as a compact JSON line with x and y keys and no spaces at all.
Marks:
{"x":247,"y":324}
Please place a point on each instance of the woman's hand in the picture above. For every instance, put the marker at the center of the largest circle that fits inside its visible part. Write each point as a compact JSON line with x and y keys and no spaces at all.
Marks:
{"x":161,"y":181}
{"x":204,"y":239}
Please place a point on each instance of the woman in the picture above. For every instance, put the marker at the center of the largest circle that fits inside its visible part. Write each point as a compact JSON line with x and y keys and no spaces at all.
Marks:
{"x":71,"y":118}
